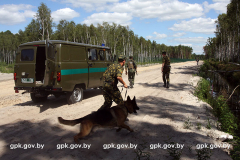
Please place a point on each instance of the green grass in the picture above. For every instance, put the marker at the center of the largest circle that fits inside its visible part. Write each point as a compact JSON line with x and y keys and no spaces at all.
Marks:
{"x":209,"y":126}
{"x":187,"y":124}
{"x":6,"y":68}
{"x":199,"y":126}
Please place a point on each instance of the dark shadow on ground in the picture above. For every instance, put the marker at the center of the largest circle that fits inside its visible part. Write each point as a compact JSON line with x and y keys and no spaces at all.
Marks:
{"x":52,"y":136}
{"x":188,"y":70}
{"x":53,"y":102}
{"x":146,"y":133}
{"x":174,"y":87}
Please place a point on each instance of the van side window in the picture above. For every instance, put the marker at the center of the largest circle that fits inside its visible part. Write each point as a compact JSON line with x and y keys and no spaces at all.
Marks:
{"x":101,"y":55}
{"x":92,"y":54}
{"x":27,"y":55}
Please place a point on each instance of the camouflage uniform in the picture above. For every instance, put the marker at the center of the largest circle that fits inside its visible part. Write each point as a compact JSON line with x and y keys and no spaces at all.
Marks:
{"x":166,"y":69}
{"x":131,"y":65}
{"x":110,"y":89}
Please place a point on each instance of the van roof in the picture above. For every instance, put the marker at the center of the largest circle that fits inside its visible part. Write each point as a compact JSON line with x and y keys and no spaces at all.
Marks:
{"x":61,"y":42}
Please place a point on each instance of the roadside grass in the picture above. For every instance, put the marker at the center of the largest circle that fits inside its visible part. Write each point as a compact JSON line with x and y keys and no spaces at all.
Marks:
{"x":187,"y":124}
{"x":6,"y":68}
{"x":174,"y":152}
{"x":208,"y":124}
{"x":203,"y":154}
{"x":140,"y":154}
{"x":199,"y":126}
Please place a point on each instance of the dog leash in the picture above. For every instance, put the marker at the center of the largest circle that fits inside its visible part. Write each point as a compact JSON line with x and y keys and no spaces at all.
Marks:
{"x":122,"y":89}
{"x":125,"y":94}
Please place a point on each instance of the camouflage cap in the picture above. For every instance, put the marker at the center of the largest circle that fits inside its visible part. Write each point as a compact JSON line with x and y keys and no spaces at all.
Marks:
{"x":164,"y":52}
{"x":121,"y":57}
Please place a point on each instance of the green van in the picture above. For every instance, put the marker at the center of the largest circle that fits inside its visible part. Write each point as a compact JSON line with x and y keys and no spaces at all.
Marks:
{"x":59,"y":67}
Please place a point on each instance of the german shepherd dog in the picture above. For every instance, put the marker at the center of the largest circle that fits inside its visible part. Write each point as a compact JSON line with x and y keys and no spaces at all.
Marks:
{"x":112,"y":117}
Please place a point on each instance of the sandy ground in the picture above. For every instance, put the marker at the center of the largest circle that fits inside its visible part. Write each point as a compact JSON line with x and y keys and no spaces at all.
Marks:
{"x":160,"y":121}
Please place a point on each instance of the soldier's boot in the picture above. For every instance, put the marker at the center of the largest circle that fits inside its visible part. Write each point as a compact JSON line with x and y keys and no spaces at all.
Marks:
{"x":167,"y":86}
{"x":131,"y":85}
{"x":164,"y":84}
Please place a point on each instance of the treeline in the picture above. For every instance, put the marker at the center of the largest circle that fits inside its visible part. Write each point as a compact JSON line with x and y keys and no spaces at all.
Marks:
{"x":225,"y":46}
{"x":119,"y":38}
{"x":198,"y":56}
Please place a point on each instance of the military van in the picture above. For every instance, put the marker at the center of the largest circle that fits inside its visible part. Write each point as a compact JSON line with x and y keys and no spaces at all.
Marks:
{"x":59,"y":67}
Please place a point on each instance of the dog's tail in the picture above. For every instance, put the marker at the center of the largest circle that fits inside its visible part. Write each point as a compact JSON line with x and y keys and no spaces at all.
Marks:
{"x":69,"y":122}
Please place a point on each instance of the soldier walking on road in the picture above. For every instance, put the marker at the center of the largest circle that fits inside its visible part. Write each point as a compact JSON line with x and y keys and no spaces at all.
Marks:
{"x":111,"y":76}
{"x":197,"y":60}
{"x":165,"y":69}
{"x":132,"y":68}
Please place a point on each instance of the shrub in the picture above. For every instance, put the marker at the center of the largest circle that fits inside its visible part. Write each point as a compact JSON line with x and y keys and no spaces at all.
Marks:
{"x":220,"y":108}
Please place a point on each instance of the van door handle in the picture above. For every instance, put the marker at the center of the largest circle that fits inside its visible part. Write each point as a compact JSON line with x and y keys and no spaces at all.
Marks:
{"x":90,"y":64}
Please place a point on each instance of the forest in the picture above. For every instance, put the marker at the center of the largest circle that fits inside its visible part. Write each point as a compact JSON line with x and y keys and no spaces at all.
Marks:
{"x":120,"y":39}
{"x":225,"y":45}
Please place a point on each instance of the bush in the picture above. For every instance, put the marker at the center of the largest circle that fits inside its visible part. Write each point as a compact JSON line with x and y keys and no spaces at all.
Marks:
{"x":203,"y":89}
{"x":226,"y":118}
{"x":220,"y":108}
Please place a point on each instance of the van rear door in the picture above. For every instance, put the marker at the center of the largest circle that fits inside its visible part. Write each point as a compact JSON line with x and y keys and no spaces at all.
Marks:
{"x":49,"y":64}
{"x":93,"y":66}
{"x":25,"y":66}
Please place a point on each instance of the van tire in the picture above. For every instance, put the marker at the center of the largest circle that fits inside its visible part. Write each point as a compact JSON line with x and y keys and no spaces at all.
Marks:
{"x":75,"y":96}
{"x":38,"y":99}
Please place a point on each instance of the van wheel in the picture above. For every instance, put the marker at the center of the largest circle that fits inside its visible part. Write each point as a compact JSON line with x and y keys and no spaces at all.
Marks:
{"x":38,"y":99}
{"x":75,"y":96}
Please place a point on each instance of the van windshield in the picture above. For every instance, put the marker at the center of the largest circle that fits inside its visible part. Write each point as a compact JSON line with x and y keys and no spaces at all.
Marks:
{"x":27,"y":55}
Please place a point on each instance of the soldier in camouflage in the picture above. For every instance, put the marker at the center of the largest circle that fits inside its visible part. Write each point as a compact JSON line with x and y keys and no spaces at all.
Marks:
{"x":165,"y":69}
{"x":132,"y":68}
{"x":197,"y":59}
{"x":111,"y":76}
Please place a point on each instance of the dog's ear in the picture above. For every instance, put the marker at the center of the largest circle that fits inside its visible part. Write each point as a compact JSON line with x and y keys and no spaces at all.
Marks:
{"x":134,"y":99}
{"x":128,"y":98}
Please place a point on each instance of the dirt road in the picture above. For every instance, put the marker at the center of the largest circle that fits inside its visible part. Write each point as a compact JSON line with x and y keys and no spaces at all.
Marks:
{"x":160,"y":121}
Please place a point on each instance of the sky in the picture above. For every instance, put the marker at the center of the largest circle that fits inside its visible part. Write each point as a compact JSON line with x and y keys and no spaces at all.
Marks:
{"x":171,"y":22}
